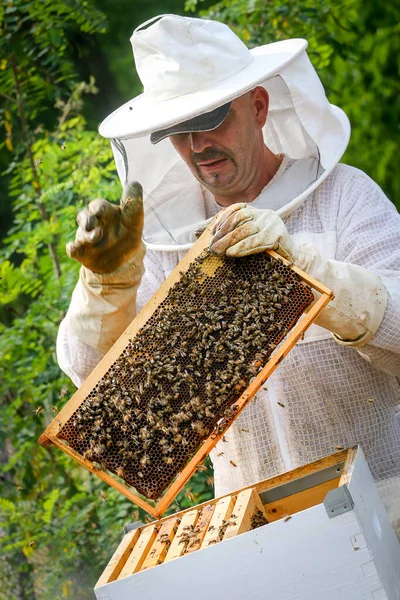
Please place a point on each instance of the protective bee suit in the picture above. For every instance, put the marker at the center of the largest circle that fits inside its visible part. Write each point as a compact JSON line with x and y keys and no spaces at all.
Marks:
{"x":332,"y":390}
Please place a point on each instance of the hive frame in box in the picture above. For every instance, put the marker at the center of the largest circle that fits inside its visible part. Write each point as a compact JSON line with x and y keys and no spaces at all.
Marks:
{"x":282,"y":496}
{"x":328,"y":536}
{"x":50,"y":434}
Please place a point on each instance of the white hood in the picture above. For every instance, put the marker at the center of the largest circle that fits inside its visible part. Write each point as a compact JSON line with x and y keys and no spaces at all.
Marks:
{"x":301,"y":124}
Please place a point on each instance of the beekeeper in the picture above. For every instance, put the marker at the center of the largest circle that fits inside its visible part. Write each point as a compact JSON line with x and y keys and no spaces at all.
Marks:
{"x":251,"y":134}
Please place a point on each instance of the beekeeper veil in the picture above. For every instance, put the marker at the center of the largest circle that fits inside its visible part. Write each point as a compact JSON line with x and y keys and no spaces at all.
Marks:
{"x":193,"y":68}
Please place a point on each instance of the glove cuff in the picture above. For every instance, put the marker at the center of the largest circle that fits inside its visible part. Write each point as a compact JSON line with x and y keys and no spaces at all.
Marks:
{"x":103,"y":305}
{"x":124,"y":277}
{"x":356,"y":312}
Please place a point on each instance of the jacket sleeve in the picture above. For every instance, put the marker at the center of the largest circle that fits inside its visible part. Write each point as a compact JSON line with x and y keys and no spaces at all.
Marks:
{"x":369,"y":236}
{"x":78,"y":351}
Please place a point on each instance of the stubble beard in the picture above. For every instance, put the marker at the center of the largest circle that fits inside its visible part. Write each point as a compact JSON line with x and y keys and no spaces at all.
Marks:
{"x":214,"y":181}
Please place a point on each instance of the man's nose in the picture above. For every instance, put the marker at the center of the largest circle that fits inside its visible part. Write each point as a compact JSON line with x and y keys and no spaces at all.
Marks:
{"x":200,"y":140}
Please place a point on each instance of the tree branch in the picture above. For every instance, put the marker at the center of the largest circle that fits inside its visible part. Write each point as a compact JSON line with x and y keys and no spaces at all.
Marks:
{"x":9,"y":98}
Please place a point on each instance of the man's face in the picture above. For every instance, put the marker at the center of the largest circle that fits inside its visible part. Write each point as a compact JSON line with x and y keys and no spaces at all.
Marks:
{"x":226,"y":159}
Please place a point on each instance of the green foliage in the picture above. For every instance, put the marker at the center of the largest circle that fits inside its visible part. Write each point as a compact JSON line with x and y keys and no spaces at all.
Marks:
{"x":37,"y":70}
{"x":35,"y":51}
{"x":354,"y":45}
{"x":57,"y":510}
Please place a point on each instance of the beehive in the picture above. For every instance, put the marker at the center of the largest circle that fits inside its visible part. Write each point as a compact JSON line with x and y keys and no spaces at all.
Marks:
{"x":183,"y":370}
{"x":328,"y":536}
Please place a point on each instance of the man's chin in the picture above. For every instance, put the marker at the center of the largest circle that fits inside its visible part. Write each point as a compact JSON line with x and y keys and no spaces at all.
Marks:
{"x":216,"y":182}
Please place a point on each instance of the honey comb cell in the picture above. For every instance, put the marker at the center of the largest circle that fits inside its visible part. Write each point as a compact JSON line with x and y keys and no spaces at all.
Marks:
{"x":175,"y":382}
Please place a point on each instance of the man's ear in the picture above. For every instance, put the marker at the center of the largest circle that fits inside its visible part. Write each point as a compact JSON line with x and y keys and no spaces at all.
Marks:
{"x":260,"y":99}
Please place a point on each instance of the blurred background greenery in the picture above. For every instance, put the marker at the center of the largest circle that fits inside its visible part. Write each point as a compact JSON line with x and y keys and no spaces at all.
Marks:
{"x":65,"y":65}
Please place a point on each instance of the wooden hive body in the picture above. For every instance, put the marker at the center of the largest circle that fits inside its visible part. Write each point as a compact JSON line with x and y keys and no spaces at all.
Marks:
{"x":123,"y":436}
{"x":328,"y":536}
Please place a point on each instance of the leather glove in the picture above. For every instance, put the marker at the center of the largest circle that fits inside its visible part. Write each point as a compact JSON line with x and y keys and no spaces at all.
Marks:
{"x":108,"y":244}
{"x":241,"y":230}
{"x":353,"y":317}
{"x":109,"y":235}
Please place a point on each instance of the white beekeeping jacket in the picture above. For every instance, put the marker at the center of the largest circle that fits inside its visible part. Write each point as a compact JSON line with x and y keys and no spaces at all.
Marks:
{"x":323,"y":395}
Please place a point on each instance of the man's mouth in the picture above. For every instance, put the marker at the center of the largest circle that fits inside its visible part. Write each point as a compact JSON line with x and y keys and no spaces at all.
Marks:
{"x":211,"y":165}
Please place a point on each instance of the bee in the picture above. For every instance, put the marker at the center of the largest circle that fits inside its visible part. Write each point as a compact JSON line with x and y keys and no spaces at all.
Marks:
{"x":281,"y":404}
{"x":181,"y":417}
{"x":38,"y":410}
{"x":32,"y":543}
{"x":88,"y":454}
{"x":99,"y":449}
{"x":199,"y":428}
{"x":103,"y":496}
{"x":146,"y":444}
{"x":145,"y":460}
{"x":233,"y":463}
{"x":144,"y":433}
{"x":120,"y":472}
{"x":20,"y":488}
{"x":202,"y":468}
{"x":189,"y":495}
{"x":196,"y":403}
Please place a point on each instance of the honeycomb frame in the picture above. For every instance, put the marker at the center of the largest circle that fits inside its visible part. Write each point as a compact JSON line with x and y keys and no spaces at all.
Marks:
{"x":52,"y":433}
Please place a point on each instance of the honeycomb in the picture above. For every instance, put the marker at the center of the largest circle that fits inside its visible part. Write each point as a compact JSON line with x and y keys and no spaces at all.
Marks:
{"x":176,"y":380}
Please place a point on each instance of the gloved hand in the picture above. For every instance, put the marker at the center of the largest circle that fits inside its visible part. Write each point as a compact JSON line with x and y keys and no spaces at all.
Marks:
{"x":108,"y":244}
{"x":241,"y":230}
{"x":109,"y":235}
{"x":360,"y":297}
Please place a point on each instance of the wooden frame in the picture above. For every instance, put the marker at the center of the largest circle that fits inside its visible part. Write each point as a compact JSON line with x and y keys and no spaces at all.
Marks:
{"x":50,"y":434}
{"x":320,"y":477}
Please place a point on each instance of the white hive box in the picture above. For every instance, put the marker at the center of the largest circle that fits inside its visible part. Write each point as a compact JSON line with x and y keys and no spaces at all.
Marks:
{"x":338,"y":544}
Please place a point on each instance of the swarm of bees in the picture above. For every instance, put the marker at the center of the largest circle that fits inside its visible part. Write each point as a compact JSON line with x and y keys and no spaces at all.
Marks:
{"x":190,"y":536}
{"x":258,"y":520}
{"x":174,"y":384}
